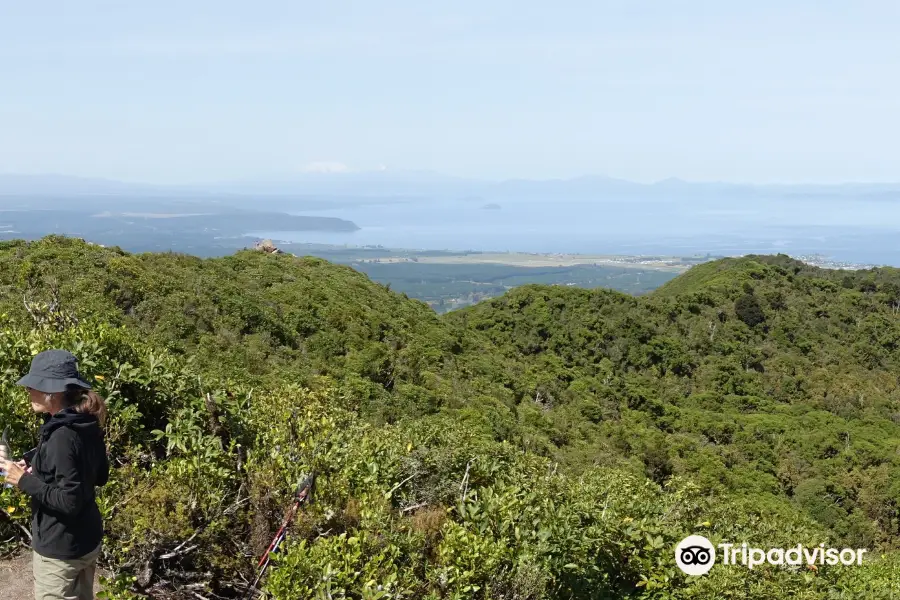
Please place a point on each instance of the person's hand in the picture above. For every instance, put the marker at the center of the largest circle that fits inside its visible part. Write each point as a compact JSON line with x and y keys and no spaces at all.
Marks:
{"x":14,"y":471}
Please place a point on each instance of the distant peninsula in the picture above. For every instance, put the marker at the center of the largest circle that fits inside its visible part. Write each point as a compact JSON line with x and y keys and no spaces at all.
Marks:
{"x":199,"y":226}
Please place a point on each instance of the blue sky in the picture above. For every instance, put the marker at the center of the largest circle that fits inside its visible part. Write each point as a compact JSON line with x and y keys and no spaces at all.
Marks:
{"x":196,"y":90}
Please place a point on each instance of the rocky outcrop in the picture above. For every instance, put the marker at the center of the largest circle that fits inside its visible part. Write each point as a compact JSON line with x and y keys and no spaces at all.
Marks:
{"x":267,"y":246}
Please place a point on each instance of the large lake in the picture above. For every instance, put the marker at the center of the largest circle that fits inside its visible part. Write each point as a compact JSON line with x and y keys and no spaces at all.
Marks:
{"x":849,"y":230}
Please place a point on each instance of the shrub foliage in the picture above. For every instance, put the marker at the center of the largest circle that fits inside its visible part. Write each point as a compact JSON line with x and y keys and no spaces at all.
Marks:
{"x":552,"y":443}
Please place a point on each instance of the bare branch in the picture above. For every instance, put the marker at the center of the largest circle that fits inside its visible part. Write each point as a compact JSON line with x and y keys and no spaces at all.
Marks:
{"x":465,"y":482}
{"x":173,"y":554}
{"x":396,"y":487}
{"x":413,"y":507}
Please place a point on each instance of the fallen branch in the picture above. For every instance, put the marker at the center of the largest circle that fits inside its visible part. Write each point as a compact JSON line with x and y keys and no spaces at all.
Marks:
{"x":193,"y":587}
{"x":180,"y":548}
{"x":173,"y":554}
{"x":185,"y":542}
{"x":413,"y":507}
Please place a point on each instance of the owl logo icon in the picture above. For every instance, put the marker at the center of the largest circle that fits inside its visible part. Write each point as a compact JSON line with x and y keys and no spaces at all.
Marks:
{"x":695,"y":555}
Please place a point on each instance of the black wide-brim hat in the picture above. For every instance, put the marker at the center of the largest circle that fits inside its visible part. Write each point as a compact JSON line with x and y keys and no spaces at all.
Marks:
{"x":52,"y":371}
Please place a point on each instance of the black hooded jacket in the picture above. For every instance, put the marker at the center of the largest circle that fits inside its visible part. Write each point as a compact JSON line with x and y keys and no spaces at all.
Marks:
{"x":70,"y":461}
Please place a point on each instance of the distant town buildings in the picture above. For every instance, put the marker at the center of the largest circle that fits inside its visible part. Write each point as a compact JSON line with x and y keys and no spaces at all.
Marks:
{"x":824,"y":262}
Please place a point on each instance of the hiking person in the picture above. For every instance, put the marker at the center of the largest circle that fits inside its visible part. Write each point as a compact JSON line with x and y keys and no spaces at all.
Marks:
{"x":69,"y":461}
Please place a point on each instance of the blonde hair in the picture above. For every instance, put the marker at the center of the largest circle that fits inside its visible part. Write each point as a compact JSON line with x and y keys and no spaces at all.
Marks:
{"x":86,"y":401}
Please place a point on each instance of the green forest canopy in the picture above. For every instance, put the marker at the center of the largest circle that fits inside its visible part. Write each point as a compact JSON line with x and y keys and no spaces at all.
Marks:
{"x":551,"y":443}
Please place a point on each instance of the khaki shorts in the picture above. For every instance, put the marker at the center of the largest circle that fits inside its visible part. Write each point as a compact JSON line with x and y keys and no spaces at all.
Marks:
{"x":56,"y":579}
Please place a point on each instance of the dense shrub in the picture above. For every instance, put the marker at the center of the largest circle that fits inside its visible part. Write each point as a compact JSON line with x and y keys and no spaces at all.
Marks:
{"x":749,"y":311}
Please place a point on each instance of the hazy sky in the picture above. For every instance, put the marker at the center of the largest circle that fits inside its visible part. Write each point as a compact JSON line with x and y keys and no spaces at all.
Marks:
{"x":193,"y":90}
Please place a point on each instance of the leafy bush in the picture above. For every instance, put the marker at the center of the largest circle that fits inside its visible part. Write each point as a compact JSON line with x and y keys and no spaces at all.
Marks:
{"x":749,"y":311}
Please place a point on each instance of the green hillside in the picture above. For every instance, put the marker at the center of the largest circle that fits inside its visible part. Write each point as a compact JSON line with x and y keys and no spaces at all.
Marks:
{"x":757,"y":377}
{"x":711,"y":276}
{"x":255,"y":317}
{"x":551,"y":443}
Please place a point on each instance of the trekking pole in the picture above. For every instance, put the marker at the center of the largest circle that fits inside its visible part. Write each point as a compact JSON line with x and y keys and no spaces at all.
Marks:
{"x":302,"y":495}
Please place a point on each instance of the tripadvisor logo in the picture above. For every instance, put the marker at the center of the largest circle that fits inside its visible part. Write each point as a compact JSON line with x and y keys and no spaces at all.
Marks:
{"x":696,"y":555}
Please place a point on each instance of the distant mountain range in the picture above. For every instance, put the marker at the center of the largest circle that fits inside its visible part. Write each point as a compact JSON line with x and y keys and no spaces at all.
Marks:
{"x":416,"y":184}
